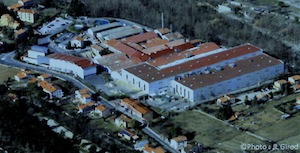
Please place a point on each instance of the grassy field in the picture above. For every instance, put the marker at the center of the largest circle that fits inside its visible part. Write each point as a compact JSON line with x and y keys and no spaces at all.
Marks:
{"x":213,"y":133}
{"x":9,"y":2}
{"x":6,"y":72}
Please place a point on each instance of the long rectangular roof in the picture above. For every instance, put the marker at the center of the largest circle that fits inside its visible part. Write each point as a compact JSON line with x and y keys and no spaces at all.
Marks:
{"x":124,"y":33}
{"x":205,"y":47}
{"x":140,"y":38}
{"x":112,"y":31}
{"x":164,"y":46}
{"x":41,"y":49}
{"x":82,"y":62}
{"x":106,"y":26}
{"x":119,"y":45}
{"x":151,"y":74}
{"x":241,"y":67}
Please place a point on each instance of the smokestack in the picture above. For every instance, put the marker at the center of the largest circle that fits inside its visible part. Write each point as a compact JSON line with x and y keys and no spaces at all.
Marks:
{"x":162,"y":20}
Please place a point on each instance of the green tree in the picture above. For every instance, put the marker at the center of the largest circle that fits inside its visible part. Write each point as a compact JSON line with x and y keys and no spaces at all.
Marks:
{"x":75,"y":8}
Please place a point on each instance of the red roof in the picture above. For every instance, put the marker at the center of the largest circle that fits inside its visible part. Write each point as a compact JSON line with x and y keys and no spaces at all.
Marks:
{"x":171,"y":57}
{"x":119,"y":45}
{"x":140,"y":38}
{"x":205,"y":47}
{"x":151,"y":74}
{"x":82,"y":62}
{"x":242,"y":67}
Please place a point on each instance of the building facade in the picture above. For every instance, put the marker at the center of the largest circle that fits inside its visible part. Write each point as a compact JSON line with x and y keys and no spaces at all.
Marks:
{"x":154,"y":81}
{"x":244,"y":73}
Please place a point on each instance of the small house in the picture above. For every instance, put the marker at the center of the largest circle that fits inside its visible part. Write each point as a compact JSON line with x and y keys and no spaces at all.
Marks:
{"x":278,"y":85}
{"x":295,"y":79}
{"x":179,"y":142}
{"x":128,"y":135}
{"x":296,"y":88}
{"x":225,"y":100}
{"x":102,"y":111}
{"x":77,"y":42}
{"x":84,"y":108}
{"x":23,"y":75}
{"x":52,"y":90}
{"x":122,"y":121}
{"x":83,"y":95}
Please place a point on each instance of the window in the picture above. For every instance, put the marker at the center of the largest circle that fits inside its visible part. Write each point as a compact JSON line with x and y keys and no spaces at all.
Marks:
{"x":183,"y":92}
{"x":144,"y":87}
{"x":126,"y":76}
{"x":139,"y":84}
{"x":133,"y":81}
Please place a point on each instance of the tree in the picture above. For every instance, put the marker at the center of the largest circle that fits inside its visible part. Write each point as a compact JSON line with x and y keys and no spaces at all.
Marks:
{"x":75,"y":8}
{"x":254,"y":101}
{"x":225,"y":112}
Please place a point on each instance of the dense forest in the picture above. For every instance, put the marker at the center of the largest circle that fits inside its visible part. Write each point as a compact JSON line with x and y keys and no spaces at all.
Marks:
{"x":22,"y":132}
{"x":193,"y":18}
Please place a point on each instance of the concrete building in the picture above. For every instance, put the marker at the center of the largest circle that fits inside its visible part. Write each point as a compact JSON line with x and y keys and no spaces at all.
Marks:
{"x":156,"y":81}
{"x":124,"y":33}
{"x":92,"y":31}
{"x":34,"y":52}
{"x":244,"y":73}
{"x":27,"y":15}
{"x":77,"y":66}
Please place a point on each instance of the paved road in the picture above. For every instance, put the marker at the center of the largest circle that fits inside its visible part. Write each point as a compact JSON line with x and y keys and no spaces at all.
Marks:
{"x":8,"y":59}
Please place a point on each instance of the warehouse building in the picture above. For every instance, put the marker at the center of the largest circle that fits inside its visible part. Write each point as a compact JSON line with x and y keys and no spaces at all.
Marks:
{"x":34,"y":52}
{"x":77,"y":66}
{"x":157,"y":81}
{"x":230,"y":78}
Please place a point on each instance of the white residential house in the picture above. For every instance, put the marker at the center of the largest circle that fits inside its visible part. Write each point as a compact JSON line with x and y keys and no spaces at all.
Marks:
{"x":27,"y":15}
{"x":83,"y":95}
{"x":295,"y":79}
{"x":77,"y":42}
{"x":179,"y":143}
{"x":44,"y":77}
{"x":122,"y":121}
{"x":278,"y":85}
{"x":84,"y":108}
{"x":53,"y":91}
{"x":22,"y":75}
{"x":128,"y":135}
{"x":102,"y":111}
{"x":136,"y":108}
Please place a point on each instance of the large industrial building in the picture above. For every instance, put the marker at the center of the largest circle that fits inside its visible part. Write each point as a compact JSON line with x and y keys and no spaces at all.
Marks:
{"x":241,"y":74}
{"x":159,"y":78}
{"x":77,"y":66}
